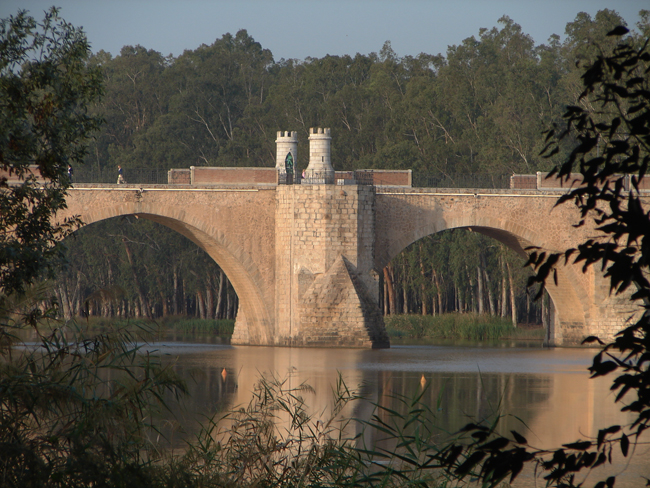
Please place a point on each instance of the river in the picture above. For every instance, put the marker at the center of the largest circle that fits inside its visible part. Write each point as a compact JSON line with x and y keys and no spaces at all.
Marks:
{"x":544,"y":393}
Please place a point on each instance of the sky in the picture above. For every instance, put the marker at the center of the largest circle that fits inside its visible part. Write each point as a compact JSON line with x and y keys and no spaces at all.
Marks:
{"x":313,"y":28}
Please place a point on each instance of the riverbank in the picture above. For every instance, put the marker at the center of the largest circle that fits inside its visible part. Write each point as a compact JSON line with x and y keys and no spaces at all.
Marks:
{"x":457,"y":326}
{"x":451,"y":326}
{"x":164,"y":326}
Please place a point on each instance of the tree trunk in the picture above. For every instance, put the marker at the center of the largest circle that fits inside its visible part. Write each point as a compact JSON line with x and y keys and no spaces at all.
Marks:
{"x":388,"y":277}
{"x":77,"y":303}
{"x":489,"y":291}
{"x":200,"y":305}
{"x":504,"y":289}
{"x":175,"y":296}
{"x":439,"y":293}
{"x":63,"y":300}
{"x":486,"y":280}
{"x":423,"y":288}
{"x":385,"y":296}
{"x":138,"y":287}
{"x":165,"y":307}
{"x":229,"y":313}
{"x":513,"y":303}
{"x":209,"y":303}
{"x":471,"y":307}
{"x":222,"y":279}
{"x":184,"y":302}
{"x":479,"y":280}
{"x":433,"y":288}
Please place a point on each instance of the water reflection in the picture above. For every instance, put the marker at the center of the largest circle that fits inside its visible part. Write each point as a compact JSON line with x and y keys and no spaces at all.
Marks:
{"x":544,"y":394}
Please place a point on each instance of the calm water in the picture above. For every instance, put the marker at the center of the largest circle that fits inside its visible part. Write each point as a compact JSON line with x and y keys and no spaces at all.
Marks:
{"x":545,"y":393}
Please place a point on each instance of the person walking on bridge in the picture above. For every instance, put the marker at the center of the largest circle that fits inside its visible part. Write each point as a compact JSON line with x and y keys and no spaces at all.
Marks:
{"x":120,"y":176}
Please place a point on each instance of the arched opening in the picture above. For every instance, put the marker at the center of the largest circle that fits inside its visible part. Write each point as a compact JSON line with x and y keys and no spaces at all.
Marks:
{"x":562,"y":307}
{"x":128,"y":267}
{"x":466,"y":272}
{"x":254,"y":322}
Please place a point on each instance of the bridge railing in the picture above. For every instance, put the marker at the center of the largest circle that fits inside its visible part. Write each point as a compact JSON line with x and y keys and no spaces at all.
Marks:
{"x":145,"y":176}
{"x":137,"y":176}
{"x":478,"y":180}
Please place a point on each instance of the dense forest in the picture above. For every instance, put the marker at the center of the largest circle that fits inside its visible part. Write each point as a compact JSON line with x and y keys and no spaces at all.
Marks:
{"x":479,"y":110}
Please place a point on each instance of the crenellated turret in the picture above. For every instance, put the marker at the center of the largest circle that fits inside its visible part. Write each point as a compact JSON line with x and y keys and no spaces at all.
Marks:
{"x":320,"y":170}
{"x":286,"y":152}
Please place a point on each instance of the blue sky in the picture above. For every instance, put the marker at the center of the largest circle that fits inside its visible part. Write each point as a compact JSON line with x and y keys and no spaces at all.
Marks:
{"x":297,"y":29}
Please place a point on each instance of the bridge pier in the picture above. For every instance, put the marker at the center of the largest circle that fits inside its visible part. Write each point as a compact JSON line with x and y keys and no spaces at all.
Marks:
{"x":326,"y":291}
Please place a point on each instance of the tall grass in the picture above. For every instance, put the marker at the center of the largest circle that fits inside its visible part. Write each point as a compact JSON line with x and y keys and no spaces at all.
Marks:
{"x":76,"y":409}
{"x":275,"y":442}
{"x":220,"y":327}
{"x":181,"y":324}
{"x":466,"y":326}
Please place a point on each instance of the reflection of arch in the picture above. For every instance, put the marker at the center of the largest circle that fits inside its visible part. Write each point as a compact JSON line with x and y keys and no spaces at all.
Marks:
{"x":565,"y":295}
{"x":242,"y":272}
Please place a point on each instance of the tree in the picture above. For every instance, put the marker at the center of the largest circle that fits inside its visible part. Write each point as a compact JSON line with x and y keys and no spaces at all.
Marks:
{"x":611,"y":130}
{"x":62,"y":423}
{"x":45,"y":89}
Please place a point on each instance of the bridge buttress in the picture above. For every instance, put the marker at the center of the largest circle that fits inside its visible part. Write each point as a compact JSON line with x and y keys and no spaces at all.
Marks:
{"x":326,"y":292}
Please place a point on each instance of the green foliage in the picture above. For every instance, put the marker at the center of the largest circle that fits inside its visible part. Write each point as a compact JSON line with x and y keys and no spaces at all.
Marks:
{"x":480,"y":108}
{"x":156,"y":328}
{"x":222,"y":327}
{"x":77,"y":411}
{"x":45,"y":88}
{"x":469,"y":326}
{"x":74,"y":411}
{"x":441,"y":273}
{"x":274,"y":441}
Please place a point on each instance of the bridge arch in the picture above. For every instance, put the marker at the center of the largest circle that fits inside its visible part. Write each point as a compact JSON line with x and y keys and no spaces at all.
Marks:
{"x":254,"y":320}
{"x":565,"y":295}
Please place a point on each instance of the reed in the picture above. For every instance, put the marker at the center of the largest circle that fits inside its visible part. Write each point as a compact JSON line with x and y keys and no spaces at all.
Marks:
{"x":466,"y":326}
{"x":222,"y":327}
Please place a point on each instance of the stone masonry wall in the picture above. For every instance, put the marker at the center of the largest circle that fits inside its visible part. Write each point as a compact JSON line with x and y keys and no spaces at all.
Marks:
{"x":324,"y":262}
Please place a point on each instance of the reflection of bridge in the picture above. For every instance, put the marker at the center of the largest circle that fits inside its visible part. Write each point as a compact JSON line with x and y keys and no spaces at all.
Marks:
{"x":305,"y":259}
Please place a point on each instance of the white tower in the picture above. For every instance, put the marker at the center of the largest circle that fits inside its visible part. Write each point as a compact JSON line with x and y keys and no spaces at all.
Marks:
{"x":320,"y":170}
{"x":286,"y":143}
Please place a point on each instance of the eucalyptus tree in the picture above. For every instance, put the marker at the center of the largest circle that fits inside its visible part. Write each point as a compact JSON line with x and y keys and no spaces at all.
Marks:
{"x":220,"y":90}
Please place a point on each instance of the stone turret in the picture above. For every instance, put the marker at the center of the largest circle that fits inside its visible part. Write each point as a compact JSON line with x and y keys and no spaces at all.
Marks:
{"x":320,"y":170}
{"x":286,"y":143}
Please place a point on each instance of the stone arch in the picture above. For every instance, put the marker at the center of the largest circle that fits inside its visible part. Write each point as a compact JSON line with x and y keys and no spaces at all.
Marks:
{"x":564,"y":295}
{"x":254,"y":321}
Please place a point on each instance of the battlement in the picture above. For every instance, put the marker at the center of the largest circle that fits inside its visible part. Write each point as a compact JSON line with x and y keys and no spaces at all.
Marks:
{"x":287,"y":136}
{"x":319,"y":131}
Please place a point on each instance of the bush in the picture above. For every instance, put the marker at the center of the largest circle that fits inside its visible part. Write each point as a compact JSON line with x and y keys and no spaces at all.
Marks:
{"x":467,"y":326}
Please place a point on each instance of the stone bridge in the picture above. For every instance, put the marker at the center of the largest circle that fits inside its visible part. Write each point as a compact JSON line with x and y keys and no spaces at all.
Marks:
{"x":305,"y":259}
